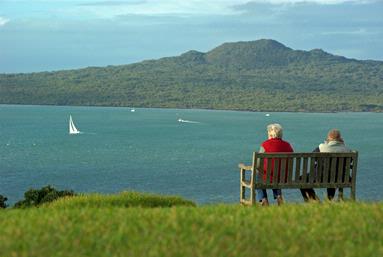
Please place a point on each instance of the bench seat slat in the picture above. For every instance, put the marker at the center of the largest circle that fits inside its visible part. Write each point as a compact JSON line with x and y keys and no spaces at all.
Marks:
{"x":333,"y":170}
{"x":347,"y":170}
{"x":307,"y":155}
{"x":268,"y":170}
{"x":319,"y":173}
{"x":290,"y":170}
{"x":312,"y":171}
{"x":297,"y":169}
{"x":276,"y":171}
{"x":340,"y":170}
{"x":261,"y":168}
{"x":299,"y":185}
{"x":326,"y":169}
{"x":304,"y":170}
{"x":282,"y":177}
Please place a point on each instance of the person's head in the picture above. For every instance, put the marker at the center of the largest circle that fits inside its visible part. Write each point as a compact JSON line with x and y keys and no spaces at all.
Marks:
{"x":334,"y":135}
{"x":274,"y":131}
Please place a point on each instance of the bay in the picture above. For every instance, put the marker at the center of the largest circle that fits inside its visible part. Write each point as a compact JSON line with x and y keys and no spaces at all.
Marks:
{"x":150,"y":151}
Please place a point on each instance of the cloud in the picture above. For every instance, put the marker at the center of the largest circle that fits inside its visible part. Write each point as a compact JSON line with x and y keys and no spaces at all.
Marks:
{"x":162,"y":7}
{"x":110,"y":9}
{"x":113,"y":3}
{"x":3,"y":21}
{"x":324,"y":2}
{"x":356,"y":32}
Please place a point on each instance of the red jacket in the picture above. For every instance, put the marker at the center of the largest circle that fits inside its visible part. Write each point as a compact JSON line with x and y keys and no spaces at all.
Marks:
{"x":275,"y":145}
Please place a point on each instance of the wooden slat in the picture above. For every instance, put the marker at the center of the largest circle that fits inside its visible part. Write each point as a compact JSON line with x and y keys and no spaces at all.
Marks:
{"x":319,"y":170}
{"x":290,"y":171}
{"x":299,"y":185}
{"x":282,"y":178}
{"x":353,"y":177}
{"x":294,"y":155}
{"x":304,"y":170}
{"x":245,"y":202}
{"x":242,"y":188}
{"x":261,"y":168}
{"x":347,"y":169}
{"x":312,"y":170}
{"x":326,"y":170}
{"x":340,"y":170}
{"x":333,"y":169}
{"x":255,"y":158}
{"x":268,"y":171}
{"x":297,"y":169}
{"x":252,"y":176}
{"x":246,"y":183}
{"x":243,"y":166}
{"x":276,"y":171}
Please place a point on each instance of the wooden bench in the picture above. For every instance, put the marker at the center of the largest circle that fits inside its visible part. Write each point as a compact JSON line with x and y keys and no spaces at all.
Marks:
{"x":298,"y":170}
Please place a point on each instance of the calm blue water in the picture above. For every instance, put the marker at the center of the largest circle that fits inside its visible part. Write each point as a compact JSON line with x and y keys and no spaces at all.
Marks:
{"x":148,"y":150}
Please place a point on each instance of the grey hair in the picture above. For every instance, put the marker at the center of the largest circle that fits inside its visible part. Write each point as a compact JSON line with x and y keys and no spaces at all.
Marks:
{"x":275,"y":130}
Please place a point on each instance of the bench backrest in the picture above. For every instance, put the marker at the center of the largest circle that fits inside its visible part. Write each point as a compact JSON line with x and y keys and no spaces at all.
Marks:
{"x":304,"y":170}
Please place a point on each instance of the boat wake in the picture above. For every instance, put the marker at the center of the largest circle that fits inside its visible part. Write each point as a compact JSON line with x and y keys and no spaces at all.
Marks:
{"x":88,"y":133}
{"x":187,"y":121}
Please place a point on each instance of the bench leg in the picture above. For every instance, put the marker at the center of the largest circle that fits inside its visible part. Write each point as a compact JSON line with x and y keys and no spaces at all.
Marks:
{"x":242,"y":188}
{"x":252,"y":195}
{"x":340,"y":194}
{"x":242,"y":194}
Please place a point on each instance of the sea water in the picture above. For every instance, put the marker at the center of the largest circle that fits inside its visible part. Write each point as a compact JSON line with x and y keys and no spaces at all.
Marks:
{"x":150,"y":150}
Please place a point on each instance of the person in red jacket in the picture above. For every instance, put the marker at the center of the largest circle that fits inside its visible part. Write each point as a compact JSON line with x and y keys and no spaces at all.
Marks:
{"x":273,"y":144}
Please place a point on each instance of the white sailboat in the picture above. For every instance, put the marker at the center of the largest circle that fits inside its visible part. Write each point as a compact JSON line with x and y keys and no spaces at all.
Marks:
{"x":187,"y":121}
{"x":72,"y":127}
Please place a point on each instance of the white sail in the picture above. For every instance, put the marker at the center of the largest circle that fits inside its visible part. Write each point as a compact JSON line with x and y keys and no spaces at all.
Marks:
{"x":72,"y":127}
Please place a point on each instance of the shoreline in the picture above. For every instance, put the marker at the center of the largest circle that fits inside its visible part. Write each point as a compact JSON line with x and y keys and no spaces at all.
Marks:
{"x":196,"y":109}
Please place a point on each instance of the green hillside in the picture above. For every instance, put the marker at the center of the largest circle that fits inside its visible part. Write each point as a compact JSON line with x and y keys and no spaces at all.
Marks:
{"x":262,"y":75}
{"x":118,"y":225}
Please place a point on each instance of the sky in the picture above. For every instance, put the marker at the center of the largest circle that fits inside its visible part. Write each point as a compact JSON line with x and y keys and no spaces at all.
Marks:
{"x":48,"y":35}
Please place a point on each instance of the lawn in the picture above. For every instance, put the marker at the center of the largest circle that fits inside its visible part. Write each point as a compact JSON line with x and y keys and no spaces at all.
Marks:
{"x":132,"y":224}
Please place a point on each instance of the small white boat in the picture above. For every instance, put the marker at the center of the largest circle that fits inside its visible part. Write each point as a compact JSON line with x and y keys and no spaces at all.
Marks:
{"x":187,"y":121}
{"x":133,"y":110}
{"x":72,"y":128}
{"x":267,"y":114}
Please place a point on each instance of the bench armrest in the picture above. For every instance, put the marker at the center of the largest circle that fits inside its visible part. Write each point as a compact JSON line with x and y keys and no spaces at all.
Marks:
{"x":243,"y":166}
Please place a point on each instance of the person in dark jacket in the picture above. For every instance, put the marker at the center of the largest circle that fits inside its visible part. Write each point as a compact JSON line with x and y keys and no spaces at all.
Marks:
{"x":273,"y":144}
{"x":334,"y":143}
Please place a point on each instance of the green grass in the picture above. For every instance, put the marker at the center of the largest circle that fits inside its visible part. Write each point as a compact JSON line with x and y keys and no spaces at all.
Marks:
{"x":124,"y":199}
{"x":98,"y":225}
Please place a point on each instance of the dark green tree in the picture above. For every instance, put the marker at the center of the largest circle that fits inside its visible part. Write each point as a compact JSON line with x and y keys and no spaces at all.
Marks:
{"x":36,"y":197}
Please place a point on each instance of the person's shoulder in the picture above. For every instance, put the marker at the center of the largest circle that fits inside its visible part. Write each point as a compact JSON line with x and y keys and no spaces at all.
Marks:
{"x":288,"y":145}
{"x":265,"y":142}
{"x":286,"y":142}
{"x":322,"y":147}
{"x":348,"y":149}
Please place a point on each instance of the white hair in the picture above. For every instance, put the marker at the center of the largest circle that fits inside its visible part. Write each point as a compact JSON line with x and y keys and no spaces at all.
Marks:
{"x":275,"y":130}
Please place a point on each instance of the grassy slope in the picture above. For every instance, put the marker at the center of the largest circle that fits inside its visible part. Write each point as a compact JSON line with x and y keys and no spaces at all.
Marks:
{"x":104,"y":227}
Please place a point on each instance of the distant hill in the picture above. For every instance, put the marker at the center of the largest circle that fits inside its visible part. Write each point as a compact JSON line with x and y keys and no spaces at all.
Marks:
{"x":262,"y":75}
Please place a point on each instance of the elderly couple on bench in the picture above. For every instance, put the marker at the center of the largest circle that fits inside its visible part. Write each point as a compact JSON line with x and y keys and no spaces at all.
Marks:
{"x":333,"y":144}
